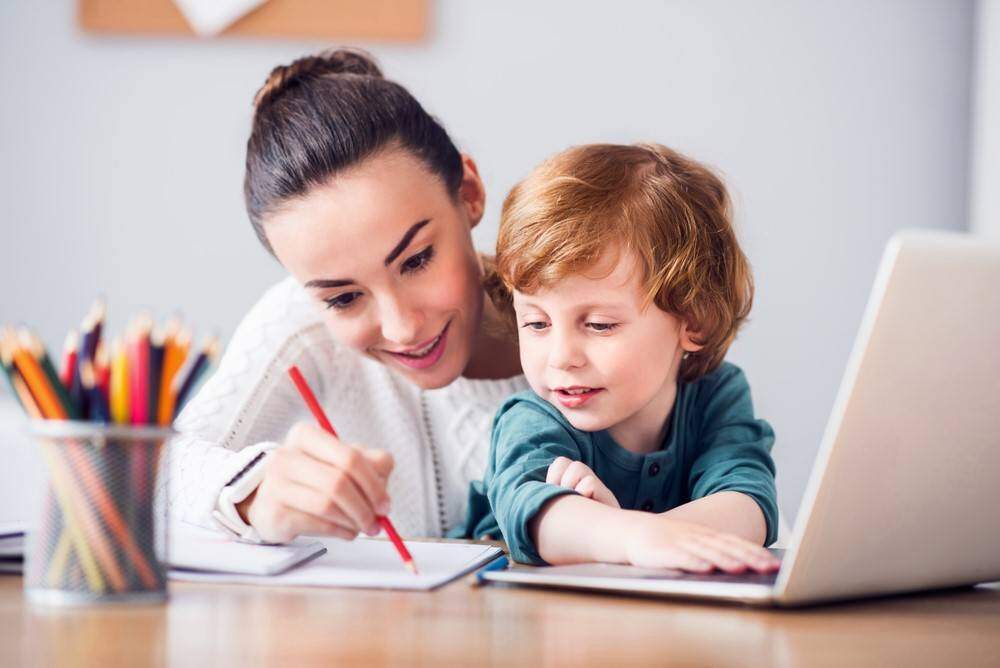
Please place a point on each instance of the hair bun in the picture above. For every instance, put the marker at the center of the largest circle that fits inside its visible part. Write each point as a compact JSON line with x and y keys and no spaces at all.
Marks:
{"x":333,"y":62}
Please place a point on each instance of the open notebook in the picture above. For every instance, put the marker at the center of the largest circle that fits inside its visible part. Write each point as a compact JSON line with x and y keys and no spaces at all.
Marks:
{"x":363,"y":563}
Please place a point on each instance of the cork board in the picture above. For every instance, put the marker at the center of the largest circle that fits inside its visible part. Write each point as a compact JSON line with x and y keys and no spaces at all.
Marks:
{"x":391,"y":20}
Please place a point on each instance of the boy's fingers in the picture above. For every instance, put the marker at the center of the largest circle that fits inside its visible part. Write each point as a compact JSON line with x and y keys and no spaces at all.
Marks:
{"x":759,"y":558}
{"x":716,"y":553}
{"x":586,"y":487}
{"x":556,"y":470}
{"x":574,"y":473}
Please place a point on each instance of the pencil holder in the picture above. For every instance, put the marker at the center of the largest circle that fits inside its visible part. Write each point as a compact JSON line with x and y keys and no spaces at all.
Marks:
{"x":98,"y":536}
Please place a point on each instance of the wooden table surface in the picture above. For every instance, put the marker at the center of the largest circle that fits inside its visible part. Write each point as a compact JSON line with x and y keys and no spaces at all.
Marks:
{"x":460,"y":625}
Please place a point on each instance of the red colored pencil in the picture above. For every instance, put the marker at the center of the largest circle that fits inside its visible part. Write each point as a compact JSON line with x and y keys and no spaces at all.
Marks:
{"x":317,"y":411}
{"x":70,"y":352}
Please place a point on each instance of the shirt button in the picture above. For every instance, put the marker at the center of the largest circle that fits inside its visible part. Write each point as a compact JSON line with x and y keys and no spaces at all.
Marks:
{"x":647,"y":505}
{"x":654,"y":469}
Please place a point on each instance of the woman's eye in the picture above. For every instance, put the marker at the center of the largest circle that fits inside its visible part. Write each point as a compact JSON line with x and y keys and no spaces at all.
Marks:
{"x":537,"y":325}
{"x":342,"y":301}
{"x":602,"y":326}
{"x":418,"y":261}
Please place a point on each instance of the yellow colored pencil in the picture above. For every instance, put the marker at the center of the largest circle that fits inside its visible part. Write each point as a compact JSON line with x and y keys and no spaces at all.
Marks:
{"x":119,"y":390}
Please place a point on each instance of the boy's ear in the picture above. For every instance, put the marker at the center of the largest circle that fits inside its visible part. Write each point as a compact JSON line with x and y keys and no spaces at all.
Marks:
{"x":689,"y":338}
{"x":471,"y":192}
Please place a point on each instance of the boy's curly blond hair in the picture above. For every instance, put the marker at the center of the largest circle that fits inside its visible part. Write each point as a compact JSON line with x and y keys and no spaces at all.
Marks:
{"x":669,"y":211}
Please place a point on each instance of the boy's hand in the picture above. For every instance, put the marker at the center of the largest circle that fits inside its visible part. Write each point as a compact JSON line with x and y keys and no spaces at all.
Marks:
{"x":565,"y":472}
{"x":655,"y":541}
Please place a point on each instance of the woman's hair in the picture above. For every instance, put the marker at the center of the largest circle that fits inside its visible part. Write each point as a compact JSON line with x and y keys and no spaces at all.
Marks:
{"x":325,"y":113}
{"x":670,"y":212}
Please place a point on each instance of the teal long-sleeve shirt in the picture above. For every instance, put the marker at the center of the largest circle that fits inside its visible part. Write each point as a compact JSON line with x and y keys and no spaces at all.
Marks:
{"x":714,"y":443}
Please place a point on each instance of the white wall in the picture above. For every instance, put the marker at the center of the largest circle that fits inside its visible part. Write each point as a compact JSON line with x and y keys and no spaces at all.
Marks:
{"x":984,"y":211}
{"x":834,"y":124}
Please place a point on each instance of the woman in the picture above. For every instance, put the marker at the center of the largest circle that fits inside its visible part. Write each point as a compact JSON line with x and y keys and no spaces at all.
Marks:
{"x":364,"y":199}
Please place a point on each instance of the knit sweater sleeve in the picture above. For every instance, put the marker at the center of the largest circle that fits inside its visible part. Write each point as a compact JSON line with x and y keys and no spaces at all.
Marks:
{"x":247,"y":405}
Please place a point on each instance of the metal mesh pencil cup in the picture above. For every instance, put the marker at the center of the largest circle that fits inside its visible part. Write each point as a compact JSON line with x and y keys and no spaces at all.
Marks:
{"x":99,"y":535}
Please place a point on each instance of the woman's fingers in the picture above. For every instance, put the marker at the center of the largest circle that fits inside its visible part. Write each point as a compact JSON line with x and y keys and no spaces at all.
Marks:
{"x":339,"y":509}
{"x":556,"y":470}
{"x":358,"y":467}
{"x":297,"y":523}
{"x":381,"y":461}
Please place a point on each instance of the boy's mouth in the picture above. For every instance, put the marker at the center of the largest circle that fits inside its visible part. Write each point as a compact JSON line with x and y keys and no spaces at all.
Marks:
{"x":575,"y":396}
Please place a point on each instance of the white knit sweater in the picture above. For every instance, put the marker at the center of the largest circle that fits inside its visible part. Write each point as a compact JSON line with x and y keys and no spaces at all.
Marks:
{"x":439,"y":438}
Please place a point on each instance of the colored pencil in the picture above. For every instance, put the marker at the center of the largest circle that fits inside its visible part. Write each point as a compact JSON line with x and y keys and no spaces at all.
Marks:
{"x":320,"y":415}
{"x":139,"y":368}
{"x":102,"y":371}
{"x":41,"y":390}
{"x":98,"y":404}
{"x":176,"y":350}
{"x":157,"y":342}
{"x":188,"y":378}
{"x":34,"y":347}
{"x":119,"y":389}
{"x":70,"y":351}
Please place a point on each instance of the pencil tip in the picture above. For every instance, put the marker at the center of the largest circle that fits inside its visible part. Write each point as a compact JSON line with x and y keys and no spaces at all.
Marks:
{"x":412,"y":567}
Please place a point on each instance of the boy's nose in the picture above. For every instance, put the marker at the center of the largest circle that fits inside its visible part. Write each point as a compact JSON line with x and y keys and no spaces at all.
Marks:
{"x":566,"y":352}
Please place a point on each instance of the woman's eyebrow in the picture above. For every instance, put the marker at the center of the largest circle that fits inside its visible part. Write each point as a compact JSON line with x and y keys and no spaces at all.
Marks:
{"x":405,"y":241}
{"x":329,"y":282}
{"x":393,"y":254}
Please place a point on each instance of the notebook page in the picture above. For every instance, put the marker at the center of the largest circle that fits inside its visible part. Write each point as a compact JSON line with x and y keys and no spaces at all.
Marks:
{"x":373,"y":564}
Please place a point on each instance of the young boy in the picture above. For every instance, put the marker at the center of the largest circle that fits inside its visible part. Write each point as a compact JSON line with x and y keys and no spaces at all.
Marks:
{"x":636,"y":444}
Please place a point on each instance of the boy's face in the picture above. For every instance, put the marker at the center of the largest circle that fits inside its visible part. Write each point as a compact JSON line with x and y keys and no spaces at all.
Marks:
{"x":591,"y":350}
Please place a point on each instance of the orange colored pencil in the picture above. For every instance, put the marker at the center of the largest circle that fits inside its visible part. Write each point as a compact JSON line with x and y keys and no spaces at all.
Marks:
{"x":36,"y":381}
{"x":174,"y":354}
{"x":317,"y":411}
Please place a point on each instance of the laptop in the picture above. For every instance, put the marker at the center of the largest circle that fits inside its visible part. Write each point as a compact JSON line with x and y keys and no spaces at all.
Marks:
{"x":904,"y":495}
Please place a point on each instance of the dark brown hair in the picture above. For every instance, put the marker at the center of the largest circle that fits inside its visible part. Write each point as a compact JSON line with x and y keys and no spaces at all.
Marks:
{"x":668,"y":211}
{"x":325,"y":113}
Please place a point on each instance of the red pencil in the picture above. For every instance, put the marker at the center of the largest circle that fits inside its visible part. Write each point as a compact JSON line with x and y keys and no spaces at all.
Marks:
{"x":317,"y":411}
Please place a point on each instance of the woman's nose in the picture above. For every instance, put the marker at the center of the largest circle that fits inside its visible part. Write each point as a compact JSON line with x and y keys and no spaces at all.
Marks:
{"x":401,"y":323}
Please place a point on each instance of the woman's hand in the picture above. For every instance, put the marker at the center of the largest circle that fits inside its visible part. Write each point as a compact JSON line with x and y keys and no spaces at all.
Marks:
{"x":656,"y":541}
{"x":315,"y":484}
{"x":565,"y":472}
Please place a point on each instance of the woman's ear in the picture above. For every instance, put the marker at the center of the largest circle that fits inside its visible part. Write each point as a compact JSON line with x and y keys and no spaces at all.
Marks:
{"x":471,"y":193}
{"x":689,"y":338}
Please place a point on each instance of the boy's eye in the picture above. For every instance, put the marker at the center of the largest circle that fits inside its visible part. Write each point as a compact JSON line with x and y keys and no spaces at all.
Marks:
{"x":418,"y":261}
{"x":602,"y":326}
{"x":342,"y":301}
{"x":536,"y":325}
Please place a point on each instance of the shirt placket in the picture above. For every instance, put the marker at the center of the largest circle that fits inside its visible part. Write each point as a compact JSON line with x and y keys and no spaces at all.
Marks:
{"x":657,"y":468}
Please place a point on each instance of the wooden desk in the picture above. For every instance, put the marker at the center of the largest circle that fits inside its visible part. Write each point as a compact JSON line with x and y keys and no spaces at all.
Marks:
{"x":458,"y":625}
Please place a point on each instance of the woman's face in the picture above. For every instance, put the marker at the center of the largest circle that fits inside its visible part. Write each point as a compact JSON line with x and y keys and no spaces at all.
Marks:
{"x":387,"y":251}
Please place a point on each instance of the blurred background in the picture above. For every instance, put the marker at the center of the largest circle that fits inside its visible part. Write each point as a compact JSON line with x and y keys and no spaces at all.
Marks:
{"x":833,"y":124}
